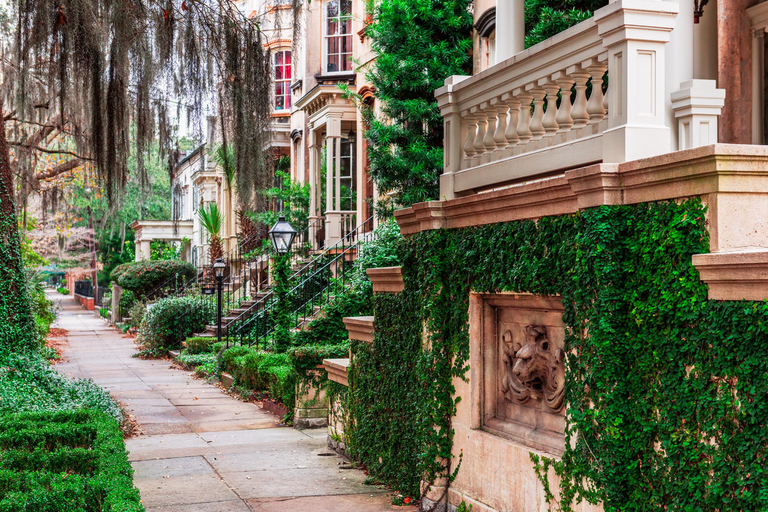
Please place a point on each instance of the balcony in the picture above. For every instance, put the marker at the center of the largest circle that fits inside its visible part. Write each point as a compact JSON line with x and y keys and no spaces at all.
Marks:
{"x":595,"y":93}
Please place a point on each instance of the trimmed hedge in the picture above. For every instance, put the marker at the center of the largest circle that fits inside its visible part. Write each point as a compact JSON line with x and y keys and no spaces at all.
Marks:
{"x":142,"y":277}
{"x":64,"y":461}
{"x":62,"y":290}
{"x":262,"y":371}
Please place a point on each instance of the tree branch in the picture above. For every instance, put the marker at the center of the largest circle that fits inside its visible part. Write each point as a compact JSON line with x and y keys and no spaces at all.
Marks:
{"x":60,"y":169}
{"x":50,"y":151}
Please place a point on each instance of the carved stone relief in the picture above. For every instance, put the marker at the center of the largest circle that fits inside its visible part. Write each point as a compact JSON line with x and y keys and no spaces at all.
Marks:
{"x":533,"y":368}
{"x":517,"y":356}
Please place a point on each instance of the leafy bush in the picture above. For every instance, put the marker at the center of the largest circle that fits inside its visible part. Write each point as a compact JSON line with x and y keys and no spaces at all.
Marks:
{"x":136,"y":314}
{"x":199,"y":345}
{"x":65,"y":461}
{"x":141,"y":277}
{"x":104,"y":312}
{"x":172,"y":320}
{"x":306,"y":359}
{"x":127,"y":300}
{"x":262,"y":371}
{"x":62,"y":290}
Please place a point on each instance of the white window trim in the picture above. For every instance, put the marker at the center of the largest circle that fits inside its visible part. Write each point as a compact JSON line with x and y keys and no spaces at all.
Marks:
{"x":325,"y":40}
{"x":287,"y":83}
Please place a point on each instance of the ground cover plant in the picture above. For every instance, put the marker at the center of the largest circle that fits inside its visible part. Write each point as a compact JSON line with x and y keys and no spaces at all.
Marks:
{"x":666,"y":394}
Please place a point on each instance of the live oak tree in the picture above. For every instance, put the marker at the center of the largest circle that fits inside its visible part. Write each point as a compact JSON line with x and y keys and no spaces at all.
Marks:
{"x":91,"y":69}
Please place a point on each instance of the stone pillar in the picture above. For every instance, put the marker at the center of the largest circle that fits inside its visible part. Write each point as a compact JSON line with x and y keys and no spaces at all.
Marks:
{"x":143,"y":250}
{"x":635,"y":33}
{"x":510,"y":28}
{"x":696,"y":107}
{"x":679,"y":57}
{"x":734,"y":64}
{"x":313,"y":184}
{"x":454,"y":134}
{"x":337,"y":174}
{"x":333,"y":159}
{"x":328,"y":173}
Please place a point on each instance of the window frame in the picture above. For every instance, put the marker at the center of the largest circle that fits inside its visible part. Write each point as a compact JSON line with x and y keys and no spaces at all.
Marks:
{"x":327,"y":37}
{"x":285,"y":81}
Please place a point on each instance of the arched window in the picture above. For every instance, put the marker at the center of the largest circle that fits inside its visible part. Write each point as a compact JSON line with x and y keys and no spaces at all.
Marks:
{"x":283,"y":80}
{"x":338,"y":36}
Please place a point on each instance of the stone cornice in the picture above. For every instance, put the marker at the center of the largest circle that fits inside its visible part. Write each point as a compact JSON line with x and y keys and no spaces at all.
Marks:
{"x":360,"y":328}
{"x":337,"y":370}
{"x":386,"y":279}
{"x":714,"y":169}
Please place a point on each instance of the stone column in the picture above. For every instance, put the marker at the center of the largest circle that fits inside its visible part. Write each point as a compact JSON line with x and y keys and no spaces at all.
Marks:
{"x":679,"y":56}
{"x":697,"y":106}
{"x":510,"y":28}
{"x":734,"y":64}
{"x":635,"y":32}
{"x":143,"y":250}
{"x":337,"y":174}
{"x":705,"y":44}
{"x":333,"y":142}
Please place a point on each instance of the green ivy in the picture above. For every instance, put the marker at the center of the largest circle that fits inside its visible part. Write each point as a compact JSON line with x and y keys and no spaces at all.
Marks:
{"x":667,"y":394}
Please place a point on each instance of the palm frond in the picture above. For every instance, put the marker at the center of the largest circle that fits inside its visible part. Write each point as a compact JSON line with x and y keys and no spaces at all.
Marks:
{"x":224,"y":156}
{"x":211,"y":218}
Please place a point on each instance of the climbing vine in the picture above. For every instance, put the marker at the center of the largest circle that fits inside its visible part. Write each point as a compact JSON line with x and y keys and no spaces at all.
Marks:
{"x":667,"y":392}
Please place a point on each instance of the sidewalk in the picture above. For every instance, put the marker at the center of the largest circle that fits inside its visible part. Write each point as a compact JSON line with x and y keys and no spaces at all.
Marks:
{"x":199,"y":449}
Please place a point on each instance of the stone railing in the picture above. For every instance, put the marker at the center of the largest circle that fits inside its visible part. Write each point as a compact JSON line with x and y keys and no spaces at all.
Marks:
{"x":550,"y":108}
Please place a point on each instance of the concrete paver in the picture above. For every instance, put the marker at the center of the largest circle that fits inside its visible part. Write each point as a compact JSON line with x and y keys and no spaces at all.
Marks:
{"x":202,"y":450}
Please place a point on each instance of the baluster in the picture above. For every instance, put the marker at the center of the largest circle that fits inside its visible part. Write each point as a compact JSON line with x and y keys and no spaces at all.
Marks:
{"x":524,"y":126}
{"x":579,"y":111}
{"x":481,"y":122}
{"x":501,"y":126}
{"x":550,"y":116}
{"x":537,"y":125}
{"x":514,"y":119}
{"x":595,"y":106}
{"x":488,"y":140}
{"x":564,"y":119}
{"x":469,"y":143}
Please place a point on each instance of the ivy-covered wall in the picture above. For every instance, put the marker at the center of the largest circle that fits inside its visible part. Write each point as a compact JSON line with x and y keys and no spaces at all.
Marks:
{"x":667,"y":391}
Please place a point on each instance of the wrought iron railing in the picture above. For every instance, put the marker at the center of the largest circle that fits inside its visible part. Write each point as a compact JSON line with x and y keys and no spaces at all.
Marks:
{"x":316,"y":283}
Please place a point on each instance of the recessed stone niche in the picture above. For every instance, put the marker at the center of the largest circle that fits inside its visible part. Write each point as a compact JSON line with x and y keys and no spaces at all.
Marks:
{"x":517,"y":368}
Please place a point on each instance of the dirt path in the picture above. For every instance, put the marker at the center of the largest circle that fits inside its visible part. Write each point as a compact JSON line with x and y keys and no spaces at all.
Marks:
{"x":199,"y":449}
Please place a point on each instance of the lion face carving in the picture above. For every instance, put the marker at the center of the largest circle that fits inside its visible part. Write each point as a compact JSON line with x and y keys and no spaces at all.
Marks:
{"x":533,"y":368}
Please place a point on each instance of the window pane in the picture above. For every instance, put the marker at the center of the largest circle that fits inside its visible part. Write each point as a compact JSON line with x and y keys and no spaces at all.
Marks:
{"x":333,"y":26}
{"x":287,"y":99}
{"x":279,"y":59}
{"x":332,"y":8}
{"x":279,"y":88}
{"x":279,"y":102}
{"x":346,"y":44}
{"x":346,"y":6}
{"x":346,"y":63}
{"x":287,"y":72}
{"x":333,"y":63}
{"x":279,"y":73}
{"x":287,"y":57}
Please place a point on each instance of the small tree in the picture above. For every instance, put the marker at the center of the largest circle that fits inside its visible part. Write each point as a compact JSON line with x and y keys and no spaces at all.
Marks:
{"x":212,"y":219}
{"x":419,"y":44}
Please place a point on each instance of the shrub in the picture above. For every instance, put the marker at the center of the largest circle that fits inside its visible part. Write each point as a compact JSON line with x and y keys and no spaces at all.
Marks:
{"x":199,"y":345}
{"x":62,"y":290}
{"x":306,"y":359}
{"x":65,"y":460}
{"x":127,"y":300}
{"x":262,"y":371}
{"x":104,"y":312}
{"x":141,"y":277}
{"x":137,"y":312}
{"x":172,"y":320}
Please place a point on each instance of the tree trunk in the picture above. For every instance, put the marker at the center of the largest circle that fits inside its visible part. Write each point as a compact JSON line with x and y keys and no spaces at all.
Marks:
{"x":17,"y":332}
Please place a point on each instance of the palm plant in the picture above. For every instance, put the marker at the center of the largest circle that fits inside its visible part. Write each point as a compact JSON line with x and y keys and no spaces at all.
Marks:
{"x":212,"y":219}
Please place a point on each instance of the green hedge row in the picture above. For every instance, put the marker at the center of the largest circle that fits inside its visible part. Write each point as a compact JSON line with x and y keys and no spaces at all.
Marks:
{"x":142,"y":277}
{"x":62,"y":290}
{"x":64,"y":461}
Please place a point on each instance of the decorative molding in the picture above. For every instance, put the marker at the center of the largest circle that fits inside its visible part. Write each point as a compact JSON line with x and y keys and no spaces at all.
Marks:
{"x":734,"y":276}
{"x":386,"y":279}
{"x":337,"y":370}
{"x":486,"y":23}
{"x":360,"y":328}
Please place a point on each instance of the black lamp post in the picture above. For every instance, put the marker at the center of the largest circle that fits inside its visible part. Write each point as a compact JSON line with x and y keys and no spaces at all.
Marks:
{"x":282,"y":235}
{"x":218,"y":270}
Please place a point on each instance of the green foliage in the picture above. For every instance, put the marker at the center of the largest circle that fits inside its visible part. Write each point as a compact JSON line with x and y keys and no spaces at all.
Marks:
{"x":137,"y":313}
{"x":282,"y":311}
{"x":419,"y":43}
{"x":198,"y":345}
{"x":666,"y":391}
{"x":167,"y":250}
{"x":17,"y":327}
{"x":262,"y":371}
{"x":294,"y":198}
{"x":172,"y":320}
{"x":104,"y":312}
{"x":305,"y":359}
{"x":211,"y":218}
{"x":64,"y":461}
{"x":127,"y":300}
{"x":357,"y":298}
{"x":141,"y":277}
{"x":43,"y":310}
{"x":545,"y":18}
{"x":62,"y":290}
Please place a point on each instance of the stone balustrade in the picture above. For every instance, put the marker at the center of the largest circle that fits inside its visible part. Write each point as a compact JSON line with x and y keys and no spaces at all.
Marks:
{"x":594,"y":93}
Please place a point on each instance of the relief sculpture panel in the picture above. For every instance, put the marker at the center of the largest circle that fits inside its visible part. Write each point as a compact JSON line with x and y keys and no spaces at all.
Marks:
{"x":519,"y":342}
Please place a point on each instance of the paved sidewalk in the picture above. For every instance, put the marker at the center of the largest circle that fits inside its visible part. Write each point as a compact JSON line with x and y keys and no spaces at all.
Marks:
{"x":202,"y":450}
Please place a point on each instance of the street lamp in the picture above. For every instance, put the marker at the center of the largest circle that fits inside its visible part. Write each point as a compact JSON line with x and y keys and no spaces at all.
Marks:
{"x":218,"y":271}
{"x":282,"y":235}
